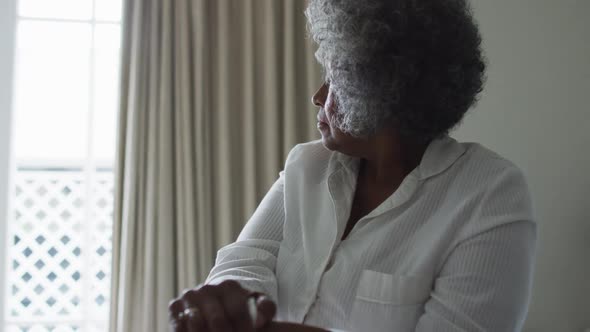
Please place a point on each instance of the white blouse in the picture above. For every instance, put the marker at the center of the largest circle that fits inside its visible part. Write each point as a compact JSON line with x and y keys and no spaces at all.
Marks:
{"x":451,"y":250}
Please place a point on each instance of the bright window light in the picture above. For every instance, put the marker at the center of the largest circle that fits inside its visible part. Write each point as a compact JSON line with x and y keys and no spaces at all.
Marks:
{"x":65,"y":111}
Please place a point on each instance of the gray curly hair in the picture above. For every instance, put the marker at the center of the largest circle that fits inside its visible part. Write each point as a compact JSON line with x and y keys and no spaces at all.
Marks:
{"x":413,"y":63}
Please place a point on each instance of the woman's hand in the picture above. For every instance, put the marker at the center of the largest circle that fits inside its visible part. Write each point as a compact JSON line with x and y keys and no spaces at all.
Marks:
{"x":219,"y":308}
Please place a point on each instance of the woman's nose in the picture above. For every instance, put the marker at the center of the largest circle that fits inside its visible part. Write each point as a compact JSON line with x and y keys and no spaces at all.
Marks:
{"x":319,"y":98}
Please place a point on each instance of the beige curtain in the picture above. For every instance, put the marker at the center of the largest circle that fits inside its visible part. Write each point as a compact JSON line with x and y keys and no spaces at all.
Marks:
{"x":214,"y":93}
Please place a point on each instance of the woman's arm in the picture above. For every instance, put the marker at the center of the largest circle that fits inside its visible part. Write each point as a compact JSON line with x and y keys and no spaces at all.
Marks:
{"x":485,"y":282}
{"x":252,"y":258}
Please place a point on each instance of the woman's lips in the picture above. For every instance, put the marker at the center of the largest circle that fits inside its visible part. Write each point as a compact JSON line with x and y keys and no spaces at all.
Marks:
{"x":322,"y":121}
{"x":322,"y":118}
{"x":322,"y":125}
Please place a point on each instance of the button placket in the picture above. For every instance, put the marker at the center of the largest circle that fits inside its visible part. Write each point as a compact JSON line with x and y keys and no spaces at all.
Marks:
{"x":334,"y":243}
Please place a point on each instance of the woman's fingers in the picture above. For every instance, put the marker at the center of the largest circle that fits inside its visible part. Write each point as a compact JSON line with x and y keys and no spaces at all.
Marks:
{"x":223,"y":307}
{"x":234,"y":299}
{"x":267,"y":310}
{"x":175,"y":319}
{"x":194,"y":320}
{"x":209,"y":307}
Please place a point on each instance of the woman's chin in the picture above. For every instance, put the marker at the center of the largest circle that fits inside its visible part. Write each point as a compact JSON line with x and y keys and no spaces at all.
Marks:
{"x":328,"y":142}
{"x":324,"y":130}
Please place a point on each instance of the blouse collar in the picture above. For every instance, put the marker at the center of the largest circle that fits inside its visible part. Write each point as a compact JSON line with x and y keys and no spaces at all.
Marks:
{"x":440,"y":154}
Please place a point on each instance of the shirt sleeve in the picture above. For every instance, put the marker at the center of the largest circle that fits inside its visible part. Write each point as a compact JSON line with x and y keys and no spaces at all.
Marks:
{"x":252,"y":258}
{"x":485,"y":284}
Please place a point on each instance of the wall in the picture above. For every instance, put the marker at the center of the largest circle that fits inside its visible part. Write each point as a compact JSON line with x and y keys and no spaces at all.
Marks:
{"x":535,"y":111}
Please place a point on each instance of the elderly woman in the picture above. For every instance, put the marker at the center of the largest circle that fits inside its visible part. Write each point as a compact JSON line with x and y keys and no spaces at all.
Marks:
{"x":386,"y":223}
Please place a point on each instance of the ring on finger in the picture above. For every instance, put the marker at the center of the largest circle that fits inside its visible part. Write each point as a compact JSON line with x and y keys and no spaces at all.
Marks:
{"x":252,"y":309}
{"x":188,"y":313}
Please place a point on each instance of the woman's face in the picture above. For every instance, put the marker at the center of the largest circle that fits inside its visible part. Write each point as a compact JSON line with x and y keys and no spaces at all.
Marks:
{"x":332,"y":137}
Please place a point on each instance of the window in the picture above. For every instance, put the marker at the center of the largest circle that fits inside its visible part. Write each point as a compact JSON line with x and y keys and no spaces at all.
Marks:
{"x":57,"y":276}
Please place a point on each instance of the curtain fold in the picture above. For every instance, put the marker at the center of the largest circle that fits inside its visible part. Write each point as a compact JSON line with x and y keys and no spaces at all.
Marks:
{"x":214,"y":93}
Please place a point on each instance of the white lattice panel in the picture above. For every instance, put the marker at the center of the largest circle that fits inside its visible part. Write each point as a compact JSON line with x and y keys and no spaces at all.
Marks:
{"x":43,"y":328}
{"x":101,"y":243}
{"x":60,"y":251}
{"x":55,"y":328}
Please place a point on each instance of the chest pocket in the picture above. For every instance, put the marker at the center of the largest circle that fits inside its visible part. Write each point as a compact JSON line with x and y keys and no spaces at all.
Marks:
{"x":388,"y":302}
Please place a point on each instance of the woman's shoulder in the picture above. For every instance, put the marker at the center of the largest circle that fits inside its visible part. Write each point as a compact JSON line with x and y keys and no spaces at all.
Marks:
{"x":487,"y":165}
{"x":496,"y":186}
{"x":491,"y":174}
{"x":464,"y":163}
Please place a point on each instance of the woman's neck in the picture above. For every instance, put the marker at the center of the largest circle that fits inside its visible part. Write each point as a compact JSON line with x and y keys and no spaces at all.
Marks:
{"x":387,"y":159}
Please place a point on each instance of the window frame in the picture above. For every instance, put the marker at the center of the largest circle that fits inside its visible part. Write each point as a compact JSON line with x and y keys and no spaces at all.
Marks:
{"x":7,"y":58}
